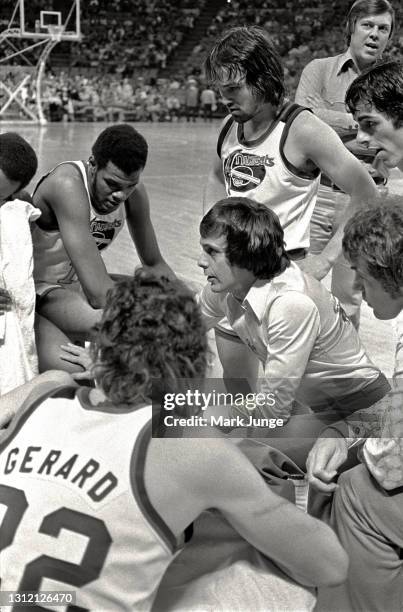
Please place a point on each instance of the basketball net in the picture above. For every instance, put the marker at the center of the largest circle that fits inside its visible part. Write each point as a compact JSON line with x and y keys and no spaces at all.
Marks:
{"x":55,"y":32}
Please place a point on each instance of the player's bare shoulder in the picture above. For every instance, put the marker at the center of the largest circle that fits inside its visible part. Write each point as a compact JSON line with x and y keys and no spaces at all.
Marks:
{"x":57,"y":191}
{"x":305,"y":126}
{"x":303,"y":134}
{"x":307,"y":139}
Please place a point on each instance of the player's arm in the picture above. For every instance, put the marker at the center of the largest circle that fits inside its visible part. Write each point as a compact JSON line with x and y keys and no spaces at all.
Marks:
{"x":142,"y":232}
{"x":67,"y":198}
{"x":309,"y":93}
{"x":330,"y":450}
{"x":213,"y":473}
{"x":12,"y":402}
{"x":292,"y":329}
{"x":330,"y":155}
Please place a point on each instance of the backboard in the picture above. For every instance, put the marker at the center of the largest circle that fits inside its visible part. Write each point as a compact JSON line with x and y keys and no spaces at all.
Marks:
{"x":36,"y":17}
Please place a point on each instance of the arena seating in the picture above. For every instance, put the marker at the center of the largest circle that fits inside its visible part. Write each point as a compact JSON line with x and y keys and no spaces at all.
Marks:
{"x":113,"y":73}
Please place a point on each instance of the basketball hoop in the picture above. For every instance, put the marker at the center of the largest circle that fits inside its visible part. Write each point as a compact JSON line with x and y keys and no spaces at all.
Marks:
{"x":55,"y":32}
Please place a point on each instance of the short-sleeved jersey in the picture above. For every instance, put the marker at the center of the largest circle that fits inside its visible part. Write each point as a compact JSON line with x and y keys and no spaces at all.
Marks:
{"x":259,"y":170}
{"x":74,"y":511}
{"x":52,"y":263}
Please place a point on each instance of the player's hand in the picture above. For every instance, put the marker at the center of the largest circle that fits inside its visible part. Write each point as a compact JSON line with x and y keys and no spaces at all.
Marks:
{"x":5,"y":301}
{"x":378,"y":171}
{"x":315,"y":265}
{"x":79,"y":356}
{"x":324,"y":460}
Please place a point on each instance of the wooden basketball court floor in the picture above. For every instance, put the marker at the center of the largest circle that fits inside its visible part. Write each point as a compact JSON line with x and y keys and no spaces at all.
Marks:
{"x":180,"y":156}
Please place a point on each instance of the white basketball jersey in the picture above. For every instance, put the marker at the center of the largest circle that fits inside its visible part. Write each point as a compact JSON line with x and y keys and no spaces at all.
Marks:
{"x":259,"y":170}
{"x":52,"y":263}
{"x":74,"y":511}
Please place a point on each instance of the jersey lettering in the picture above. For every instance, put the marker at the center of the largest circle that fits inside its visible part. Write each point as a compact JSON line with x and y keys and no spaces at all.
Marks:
{"x":103,"y":232}
{"x":44,"y":566}
{"x":245,"y":171}
{"x":56,"y":465}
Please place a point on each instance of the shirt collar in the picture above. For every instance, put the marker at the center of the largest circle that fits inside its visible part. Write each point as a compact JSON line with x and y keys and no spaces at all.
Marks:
{"x":345,"y":61}
{"x":257,"y":297}
{"x":264,"y":291}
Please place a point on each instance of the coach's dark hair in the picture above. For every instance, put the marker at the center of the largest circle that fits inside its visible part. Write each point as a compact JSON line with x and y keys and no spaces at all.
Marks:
{"x":380,"y":87}
{"x":17,"y":158}
{"x":247,"y":51}
{"x":151,"y":328}
{"x":123,"y":146}
{"x":364,"y":8}
{"x":255,"y":238}
{"x":376,"y":236}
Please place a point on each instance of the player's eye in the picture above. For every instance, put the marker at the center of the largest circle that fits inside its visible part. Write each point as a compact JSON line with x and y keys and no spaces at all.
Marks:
{"x":113,"y":186}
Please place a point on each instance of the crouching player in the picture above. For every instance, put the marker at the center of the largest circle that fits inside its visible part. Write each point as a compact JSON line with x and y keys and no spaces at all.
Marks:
{"x":93,"y":504}
{"x":367,"y":508}
{"x":308,"y":348}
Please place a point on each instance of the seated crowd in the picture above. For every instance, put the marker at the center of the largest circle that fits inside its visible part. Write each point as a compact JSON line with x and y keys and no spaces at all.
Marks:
{"x":131,"y":52}
{"x":114,"y":38}
{"x":73,"y":97}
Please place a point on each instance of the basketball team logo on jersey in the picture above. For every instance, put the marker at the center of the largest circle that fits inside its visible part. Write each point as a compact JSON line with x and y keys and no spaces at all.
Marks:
{"x":103,"y":232}
{"x":245,"y":171}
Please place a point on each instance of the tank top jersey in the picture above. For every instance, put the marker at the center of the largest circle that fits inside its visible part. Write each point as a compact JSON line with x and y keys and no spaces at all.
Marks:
{"x":52,"y":263}
{"x":77,"y":515}
{"x":259,"y":170}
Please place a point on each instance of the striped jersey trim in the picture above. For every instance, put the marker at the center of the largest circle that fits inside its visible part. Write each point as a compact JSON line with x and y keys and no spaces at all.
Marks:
{"x":30,"y":405}
{"x":288,"y":116}
{"x":137,"y":466}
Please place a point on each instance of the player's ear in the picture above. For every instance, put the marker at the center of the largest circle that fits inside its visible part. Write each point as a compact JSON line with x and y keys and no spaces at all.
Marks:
{"x":91,"y":161}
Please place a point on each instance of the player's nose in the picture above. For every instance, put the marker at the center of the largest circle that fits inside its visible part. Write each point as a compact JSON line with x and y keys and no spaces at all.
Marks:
{"x":119,"y":196}
{"x":362,"y":138}
{"x":202,"y":261}
{"x":225,"y":100}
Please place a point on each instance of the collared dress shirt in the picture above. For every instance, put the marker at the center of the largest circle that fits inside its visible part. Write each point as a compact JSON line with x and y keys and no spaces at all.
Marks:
{"x":306,"y":344}
{"x":329,"y":78}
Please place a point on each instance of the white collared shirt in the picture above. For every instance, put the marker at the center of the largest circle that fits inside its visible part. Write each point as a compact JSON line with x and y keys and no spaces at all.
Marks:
{"x":308,"y":347}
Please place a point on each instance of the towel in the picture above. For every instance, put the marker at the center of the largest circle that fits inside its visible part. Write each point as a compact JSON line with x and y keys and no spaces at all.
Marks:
{"x":18,"y":357}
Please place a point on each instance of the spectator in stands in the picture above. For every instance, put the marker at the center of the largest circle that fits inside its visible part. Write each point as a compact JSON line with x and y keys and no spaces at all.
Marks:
{"x":173,"y":104}
{"x":208,"y":103}
{"x":191,"y":100}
